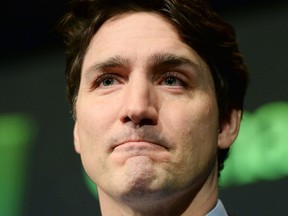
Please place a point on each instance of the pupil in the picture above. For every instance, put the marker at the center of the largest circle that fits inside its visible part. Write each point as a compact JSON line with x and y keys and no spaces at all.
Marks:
{"x":108,"y":82}
{"x":170,"y":81}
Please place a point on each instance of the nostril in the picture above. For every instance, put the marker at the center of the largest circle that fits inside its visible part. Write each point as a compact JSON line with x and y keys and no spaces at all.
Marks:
{"x":139,"y":113}
{"x":141,"y":122}
{"x":126,"y":119}
{"x":146,"y":121}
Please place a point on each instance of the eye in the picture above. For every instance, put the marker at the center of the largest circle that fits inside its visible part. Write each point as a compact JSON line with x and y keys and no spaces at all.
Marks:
{"x":108,"y":81}
{"x":172,"y":79}
{"x":105,"y":81}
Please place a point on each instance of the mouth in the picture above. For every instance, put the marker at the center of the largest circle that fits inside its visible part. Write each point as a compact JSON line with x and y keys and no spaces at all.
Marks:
{"x":138,"y":145}
{"x":139,"y":140}
{"x":132,"y":149}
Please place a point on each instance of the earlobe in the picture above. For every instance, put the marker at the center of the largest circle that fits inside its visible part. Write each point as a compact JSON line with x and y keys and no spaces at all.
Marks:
{"x":76,"y":138}
{"x":229,"y":130}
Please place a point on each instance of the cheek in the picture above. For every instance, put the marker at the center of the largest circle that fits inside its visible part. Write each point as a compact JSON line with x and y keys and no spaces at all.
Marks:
{"x":193,"y":134}
{"x":93,"y":125}
{"x":193,"y":129}
{"x":188,"y":118}
{"x":94,"y":115}
{"x":92,"y":144}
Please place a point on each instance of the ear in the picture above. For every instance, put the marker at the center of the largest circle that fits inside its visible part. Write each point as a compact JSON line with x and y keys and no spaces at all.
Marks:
{"x":76,"y":138}
{"x":229,"y":129}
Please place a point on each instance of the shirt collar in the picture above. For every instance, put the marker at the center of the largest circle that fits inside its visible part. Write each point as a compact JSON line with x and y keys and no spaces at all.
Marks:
{"x":218,"y":210}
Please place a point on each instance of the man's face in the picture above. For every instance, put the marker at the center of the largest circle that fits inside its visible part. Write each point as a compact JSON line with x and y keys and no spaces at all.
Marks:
{"x":147,"y":116}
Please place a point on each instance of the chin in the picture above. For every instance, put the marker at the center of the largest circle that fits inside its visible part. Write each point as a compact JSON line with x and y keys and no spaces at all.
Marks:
{"x":140,"y":193}
{"x":143,"y":184}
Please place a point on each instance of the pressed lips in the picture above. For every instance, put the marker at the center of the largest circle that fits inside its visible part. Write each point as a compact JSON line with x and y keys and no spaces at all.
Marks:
{"x":137,"y":145}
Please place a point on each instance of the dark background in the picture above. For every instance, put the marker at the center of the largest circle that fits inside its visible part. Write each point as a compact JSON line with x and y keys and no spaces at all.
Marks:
{"x":32,"y":66}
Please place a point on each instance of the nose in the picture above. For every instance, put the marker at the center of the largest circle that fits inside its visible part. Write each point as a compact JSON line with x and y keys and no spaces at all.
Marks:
{"x":140,"y":103}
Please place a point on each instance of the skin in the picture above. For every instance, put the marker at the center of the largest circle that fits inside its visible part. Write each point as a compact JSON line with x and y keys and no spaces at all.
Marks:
{"x":147,"y":123}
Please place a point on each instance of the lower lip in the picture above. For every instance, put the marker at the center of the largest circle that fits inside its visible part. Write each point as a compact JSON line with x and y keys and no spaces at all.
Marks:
{"x":138,"y":147}
{"x":140,"y":150}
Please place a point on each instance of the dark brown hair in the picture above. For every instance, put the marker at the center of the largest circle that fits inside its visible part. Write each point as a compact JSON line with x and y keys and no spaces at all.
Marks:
{"x":198,"y":26}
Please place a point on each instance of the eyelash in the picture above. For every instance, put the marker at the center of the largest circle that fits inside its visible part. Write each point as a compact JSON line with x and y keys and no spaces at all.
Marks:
{"x":176,"y":75}
{"x":98,"y":81}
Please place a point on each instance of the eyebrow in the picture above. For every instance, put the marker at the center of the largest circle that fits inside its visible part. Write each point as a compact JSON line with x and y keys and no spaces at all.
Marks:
{"x":114,"y":61}
{"x":154,"y":61}
{"x":171,"y":60}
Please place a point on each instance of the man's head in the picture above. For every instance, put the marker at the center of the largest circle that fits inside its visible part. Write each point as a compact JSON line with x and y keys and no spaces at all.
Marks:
{"x":157,"y":89}
{"x":197,"y":25}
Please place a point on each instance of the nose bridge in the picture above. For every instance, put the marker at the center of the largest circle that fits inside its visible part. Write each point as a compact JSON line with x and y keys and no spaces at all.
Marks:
{"x":140,"y":101}
{"x":140,"y":92}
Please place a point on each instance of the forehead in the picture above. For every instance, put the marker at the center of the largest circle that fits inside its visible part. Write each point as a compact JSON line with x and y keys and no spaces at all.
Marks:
{"x":137,"y":36}
{"x":137,"y":25}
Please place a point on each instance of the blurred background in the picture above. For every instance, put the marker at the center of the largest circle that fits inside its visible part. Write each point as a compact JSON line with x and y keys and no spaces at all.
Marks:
{"x":40,"y":174}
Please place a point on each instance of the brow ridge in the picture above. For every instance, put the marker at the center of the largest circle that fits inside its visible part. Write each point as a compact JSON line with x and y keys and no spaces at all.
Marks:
{"x":155,"y":60}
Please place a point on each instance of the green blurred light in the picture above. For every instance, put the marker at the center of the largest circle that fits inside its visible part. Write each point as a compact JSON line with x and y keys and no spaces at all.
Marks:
{"x":261,"y":149}
{"x":16,"y":133}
